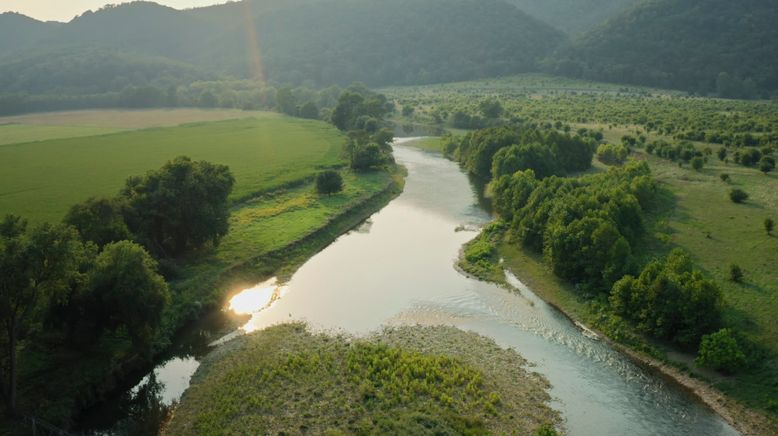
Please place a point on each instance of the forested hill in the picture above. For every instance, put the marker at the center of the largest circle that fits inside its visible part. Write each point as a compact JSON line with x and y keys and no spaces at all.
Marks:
{"x":706,"y":46}
{"x":319,"y":42}
{"x":17,"y":32}
{"x":573,"y":16}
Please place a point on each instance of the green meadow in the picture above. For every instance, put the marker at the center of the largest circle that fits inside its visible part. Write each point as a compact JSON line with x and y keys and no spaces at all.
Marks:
{"x":41,"y":180}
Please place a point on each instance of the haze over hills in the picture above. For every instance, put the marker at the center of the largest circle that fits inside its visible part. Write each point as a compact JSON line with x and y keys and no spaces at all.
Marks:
{"x":17,"y":32}
{"x":320,"y":42}
{"x":683,"y":44}
{"x":573,"y":16}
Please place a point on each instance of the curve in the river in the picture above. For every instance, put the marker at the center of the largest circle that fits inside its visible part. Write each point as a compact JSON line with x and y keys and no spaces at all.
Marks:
{"x":399,"y":268}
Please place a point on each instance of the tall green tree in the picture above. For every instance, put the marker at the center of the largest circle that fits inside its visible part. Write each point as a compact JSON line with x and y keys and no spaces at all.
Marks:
{"x":35,"y":266}
{"x":99,"y":220}
{"x":180,"y":207}
{"x":125,"y":291}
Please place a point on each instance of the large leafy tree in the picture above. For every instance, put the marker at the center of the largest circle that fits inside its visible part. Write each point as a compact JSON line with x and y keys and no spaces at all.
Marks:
{"x":35,"y":266}
{"x":125,"y":291}
{"x":99,"y":220}
{"x":669,"y":300}
{"x":180,"y":207}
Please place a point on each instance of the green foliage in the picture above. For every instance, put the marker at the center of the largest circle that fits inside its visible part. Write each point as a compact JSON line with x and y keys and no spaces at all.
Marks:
{"x":329,"y":182}
{"x":585,"y":226}
{"x":512,"y":192}
{"x":356,"y":107}
{"x":36,"y":267}
{"x":767,"y":164}
{"x":612,"y":154}
{"x":125,"y":291}
{"x":573,"y":16}
{"x":480,"y":257}
{"x":367,"y":156}
{"x":99,"y":220}
{"x":738,"y":195}
{"x":179,"y":207}
{"x":698,"y":163}
{"x":769,"y":225}
{"x":309,"y":111}
{"x":724,"y":177}
{"x":491,"y":108}
{"x":546,"y":430}
{"x":721,"y":351}
{"x":502,"y":151}
{"x":641,"y":47}
{"x":735,"y":273}
{"x":669,"y":300}
{"x":531,"y":157}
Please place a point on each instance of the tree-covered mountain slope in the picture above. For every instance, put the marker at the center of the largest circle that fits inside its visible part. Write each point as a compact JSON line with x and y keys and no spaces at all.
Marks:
{"x":573,"y":16}
{"x":320,"y":42}
{"x":706,"y":46}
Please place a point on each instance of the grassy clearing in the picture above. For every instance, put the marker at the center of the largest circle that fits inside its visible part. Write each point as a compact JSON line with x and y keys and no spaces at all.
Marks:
{"x":42,"y":180}
{"x":409,"y":380}
{"x":127,"y":119}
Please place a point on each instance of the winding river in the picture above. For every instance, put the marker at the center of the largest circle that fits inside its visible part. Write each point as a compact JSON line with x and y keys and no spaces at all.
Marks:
{"x":398,"y":268}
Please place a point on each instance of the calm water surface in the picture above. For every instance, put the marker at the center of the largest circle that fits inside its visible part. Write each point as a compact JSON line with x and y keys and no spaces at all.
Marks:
{"x":398,"y":268}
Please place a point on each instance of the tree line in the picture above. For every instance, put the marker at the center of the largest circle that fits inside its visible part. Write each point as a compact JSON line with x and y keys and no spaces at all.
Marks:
{"x":69,"y":286}
{"x":590,"y":231}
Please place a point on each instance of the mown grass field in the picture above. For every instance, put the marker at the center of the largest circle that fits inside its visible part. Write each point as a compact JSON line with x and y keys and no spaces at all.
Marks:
{"x":41,"y":180}
{"x":409,"y":380}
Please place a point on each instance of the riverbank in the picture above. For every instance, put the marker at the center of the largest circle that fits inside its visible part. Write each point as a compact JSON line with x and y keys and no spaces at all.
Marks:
{"x":535,"y":275}
{"x":406,"y":380}
{"x":269,"y":235}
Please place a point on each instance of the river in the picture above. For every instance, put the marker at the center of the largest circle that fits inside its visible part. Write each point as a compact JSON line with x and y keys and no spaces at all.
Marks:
{"x":398,"y":268}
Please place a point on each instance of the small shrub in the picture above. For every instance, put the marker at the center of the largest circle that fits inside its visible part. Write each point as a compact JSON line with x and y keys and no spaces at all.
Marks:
{"x":329,"y":182}
{"x":735,"y":273}
{"x":698,"y":163}
{"x":721,"y":351}
{"x":769,"y":225}
{"x":738,"y":196}
{"x":767,"y":164}
{"x":546,"y":430}
{"x":724,"y":177}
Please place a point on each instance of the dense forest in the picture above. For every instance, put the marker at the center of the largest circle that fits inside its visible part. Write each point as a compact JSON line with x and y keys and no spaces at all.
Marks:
{"x":703,"y":46}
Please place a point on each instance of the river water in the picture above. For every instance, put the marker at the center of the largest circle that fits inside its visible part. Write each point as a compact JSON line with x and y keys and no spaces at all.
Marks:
{"x":398,"y":268}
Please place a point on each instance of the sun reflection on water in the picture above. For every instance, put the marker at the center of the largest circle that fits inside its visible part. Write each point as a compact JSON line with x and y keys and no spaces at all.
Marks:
{"x":255,"y":299}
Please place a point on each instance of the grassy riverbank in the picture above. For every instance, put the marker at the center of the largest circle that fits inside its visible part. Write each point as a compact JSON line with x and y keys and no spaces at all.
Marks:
{"x":536,"y":275}
{"x":277,"y":222}
{"x":407,"y":380}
